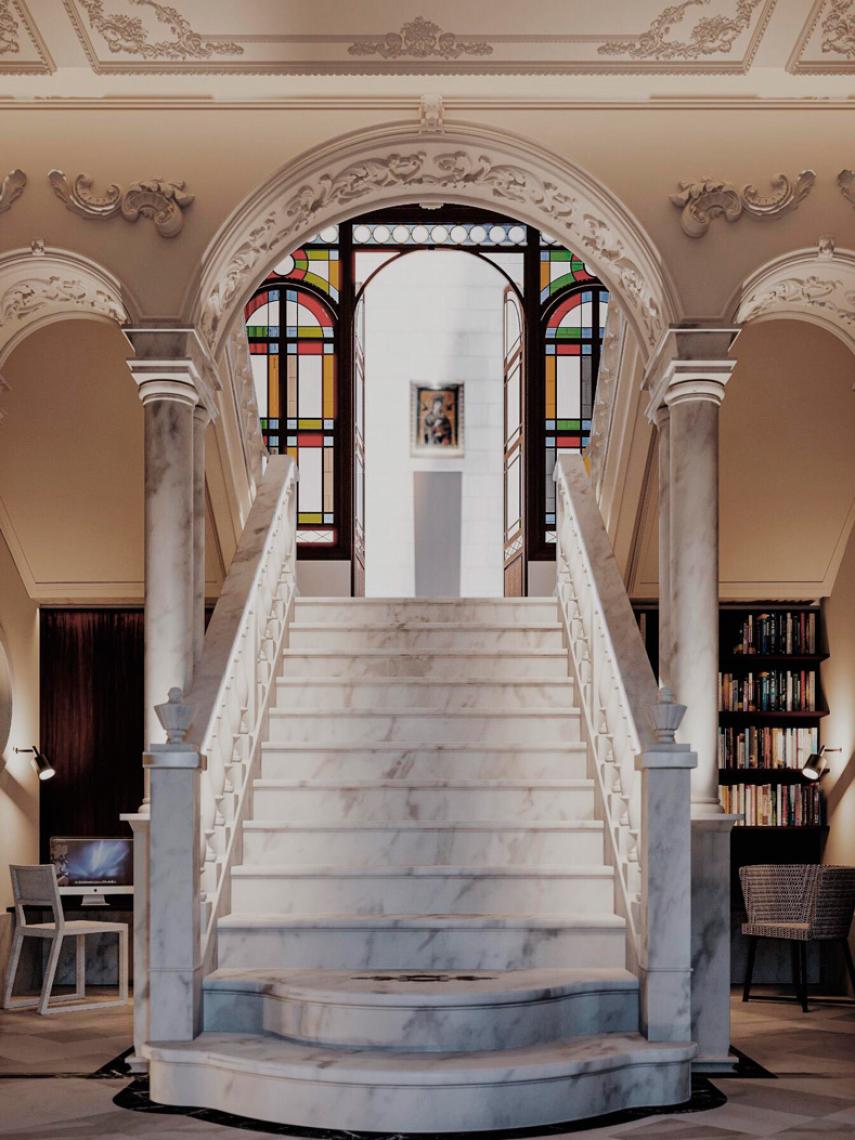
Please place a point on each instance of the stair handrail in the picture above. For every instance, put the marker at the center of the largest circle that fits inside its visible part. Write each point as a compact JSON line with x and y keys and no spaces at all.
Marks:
{"x":616,"y":686}
{"x":235,"y":679}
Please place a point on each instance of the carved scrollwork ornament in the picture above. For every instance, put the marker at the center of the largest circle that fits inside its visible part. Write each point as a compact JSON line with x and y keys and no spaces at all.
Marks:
{"x":419,"y":39}
{"x":846,"y":182}
{"x":162,"y":201}
{"x":709,"y":198}
{"x":11,"y":188}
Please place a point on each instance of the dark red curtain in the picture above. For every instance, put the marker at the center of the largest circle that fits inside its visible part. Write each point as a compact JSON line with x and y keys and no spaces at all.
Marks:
{"x":91,"y":720}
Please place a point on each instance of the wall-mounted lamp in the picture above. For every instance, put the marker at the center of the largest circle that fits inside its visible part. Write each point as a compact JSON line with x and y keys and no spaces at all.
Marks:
{"x":40,"y":762}
{"x":814,"y":769}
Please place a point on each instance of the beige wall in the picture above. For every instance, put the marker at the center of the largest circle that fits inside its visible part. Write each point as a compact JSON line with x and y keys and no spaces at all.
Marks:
{"x":19,"y":785}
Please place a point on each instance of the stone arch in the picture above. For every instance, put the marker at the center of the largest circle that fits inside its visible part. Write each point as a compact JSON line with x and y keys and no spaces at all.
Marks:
{"x":815,"y":285}
{"x":43,"y":285}
{"x":397,"y":164}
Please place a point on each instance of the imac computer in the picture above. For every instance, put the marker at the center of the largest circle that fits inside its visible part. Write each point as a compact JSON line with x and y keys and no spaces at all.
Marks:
{"x":93,"y":867}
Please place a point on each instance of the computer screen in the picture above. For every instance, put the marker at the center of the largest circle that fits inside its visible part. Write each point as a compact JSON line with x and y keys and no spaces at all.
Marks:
{"x":88,"y":862}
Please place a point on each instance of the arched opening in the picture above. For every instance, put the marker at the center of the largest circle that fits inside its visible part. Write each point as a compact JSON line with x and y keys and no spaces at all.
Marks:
{"x":308,"y":326}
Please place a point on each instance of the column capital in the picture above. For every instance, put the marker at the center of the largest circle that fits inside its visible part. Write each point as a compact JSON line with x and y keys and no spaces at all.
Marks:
{"x":173,"y":363}
{"x":693,"y":361}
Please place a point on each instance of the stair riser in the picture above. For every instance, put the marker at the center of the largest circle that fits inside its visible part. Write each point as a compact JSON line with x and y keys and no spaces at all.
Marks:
{"x":422,"y":894}
{"x":340,"y":805}
{"x":455,"y":1029}
{"x":420,"y":949}
{"x":390,"y":847}
{"x":293,"y":694}
{"x":466,"y":666}
{"x":423,"y":764}
{"x":382,"y":612}
{"x":446,"y":1107}
{"x":352,"y":639}
{"x":421,"y":728}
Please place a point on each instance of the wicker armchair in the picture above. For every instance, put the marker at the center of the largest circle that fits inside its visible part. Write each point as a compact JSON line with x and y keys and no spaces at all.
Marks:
{"x":799,"y":903}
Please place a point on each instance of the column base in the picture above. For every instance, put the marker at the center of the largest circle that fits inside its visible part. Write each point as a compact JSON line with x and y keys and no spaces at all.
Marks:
{"x":711,"y":941}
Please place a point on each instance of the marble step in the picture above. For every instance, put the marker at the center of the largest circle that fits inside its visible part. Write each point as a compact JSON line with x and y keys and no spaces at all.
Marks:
{"x":289,"y":1082}
{"x":437,"y":762}
{"x":395,"y":611}
{"x":408,"y":1011}
{"x":442,"y":664}
{"x":421,"y":693}
{"x":482,"y":889}
{"x":424,"y":726}
{"x":419,"y":636}
{"x":420,"y":942}
{"x":409,"y":842}
{"x":383,"y":800}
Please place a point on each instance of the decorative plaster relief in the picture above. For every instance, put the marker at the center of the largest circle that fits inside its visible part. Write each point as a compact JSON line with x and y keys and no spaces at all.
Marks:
{"x":829,"y":296}
{"x":846,"y":182}
{"x":164,"y":202}
{"x":124,"y":33}
{"x":28,"y":297}
{"x":712,"y":35}
{"x":702,"y":201}
{"x":11,"y":188}
{"x":838,"y":29}
{"x":9,"y":42}
{"x":431,"y":115}
{"x":420,"y":39}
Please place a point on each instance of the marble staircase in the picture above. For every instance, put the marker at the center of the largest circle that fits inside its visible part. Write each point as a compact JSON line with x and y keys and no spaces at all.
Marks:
{"x":423,"y":933}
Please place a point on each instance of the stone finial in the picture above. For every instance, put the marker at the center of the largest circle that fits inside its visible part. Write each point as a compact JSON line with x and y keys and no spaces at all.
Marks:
{"x":666,"y":716}
{"x":175,"y":716}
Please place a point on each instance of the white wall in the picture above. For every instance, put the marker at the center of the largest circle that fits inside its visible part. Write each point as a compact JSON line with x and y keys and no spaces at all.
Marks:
{"x":19,"y":785}
{"x":433,"y":316}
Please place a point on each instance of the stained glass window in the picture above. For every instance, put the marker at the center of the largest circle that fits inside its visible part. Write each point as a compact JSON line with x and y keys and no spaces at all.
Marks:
{"x":573,"y":331}
{"x":292,"y":331}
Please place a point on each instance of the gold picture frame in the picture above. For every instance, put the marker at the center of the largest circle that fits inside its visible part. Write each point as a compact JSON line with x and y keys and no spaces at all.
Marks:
{"x":436,"y":420}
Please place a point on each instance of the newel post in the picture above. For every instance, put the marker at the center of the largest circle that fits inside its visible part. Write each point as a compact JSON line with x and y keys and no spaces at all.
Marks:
{"x":174,"y":941}
{"x":666,"y":892}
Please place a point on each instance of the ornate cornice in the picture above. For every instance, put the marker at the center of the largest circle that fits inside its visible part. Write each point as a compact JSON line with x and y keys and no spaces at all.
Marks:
{"x":164,"y":202}
{"x":11,"y":188}
{"x":390,"y":166}
{"x":846,"y":182}
{"x":703,"y":201}
{"x":712,"y":35}
{"x":419,"y":39}
{"x":128,"y":35}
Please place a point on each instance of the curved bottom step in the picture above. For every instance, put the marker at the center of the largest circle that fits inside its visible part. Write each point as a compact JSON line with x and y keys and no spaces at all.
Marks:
{"x":286,"y":1082}
{"x":405,"y":1010}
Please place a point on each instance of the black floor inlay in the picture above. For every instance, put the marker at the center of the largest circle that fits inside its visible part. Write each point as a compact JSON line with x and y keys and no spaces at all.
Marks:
{"x":135,"y":1097}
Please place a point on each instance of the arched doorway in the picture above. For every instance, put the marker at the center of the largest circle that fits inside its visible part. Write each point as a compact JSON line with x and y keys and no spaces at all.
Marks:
{"x":306,"y":334}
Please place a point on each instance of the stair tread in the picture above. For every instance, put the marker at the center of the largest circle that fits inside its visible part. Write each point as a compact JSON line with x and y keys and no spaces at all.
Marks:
{"x":423,"y":682}
{"x":424,"y":921}
{"x":428,"y":987}
{"x":426,"y":870}
{"x":428,"y":746}
{"x":278,"y":1057}
{"x":362,"y":785}
{"x":287,"y":826}
{"x":485,"y":713}
{"x":489,"y":654}
{"x":389,"y":626}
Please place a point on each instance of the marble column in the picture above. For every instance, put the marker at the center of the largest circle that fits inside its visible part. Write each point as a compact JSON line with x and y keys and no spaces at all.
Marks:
{"x":663,"y":440}
{"x":201,"y":419}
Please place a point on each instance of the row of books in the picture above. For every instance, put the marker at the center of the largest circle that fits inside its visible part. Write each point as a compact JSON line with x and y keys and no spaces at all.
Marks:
{"x":774,"y":805}
{"x":781,"y":690}
{"x":778,"y":633}
{"x":769,"y":746}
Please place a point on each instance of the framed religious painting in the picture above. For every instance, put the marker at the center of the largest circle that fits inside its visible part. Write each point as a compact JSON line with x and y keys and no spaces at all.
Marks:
{"x":436,"y":428}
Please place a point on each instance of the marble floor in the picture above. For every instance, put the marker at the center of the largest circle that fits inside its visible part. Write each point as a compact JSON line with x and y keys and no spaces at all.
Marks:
{"x":46,"y":1090}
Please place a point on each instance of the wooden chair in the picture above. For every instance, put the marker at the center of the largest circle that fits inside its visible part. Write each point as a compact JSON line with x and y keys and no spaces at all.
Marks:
{"x":798,"y":903}
{"x":37,"y":887}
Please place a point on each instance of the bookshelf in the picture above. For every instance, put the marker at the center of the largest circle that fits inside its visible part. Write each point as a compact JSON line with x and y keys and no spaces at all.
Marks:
{"x":765,"y":774}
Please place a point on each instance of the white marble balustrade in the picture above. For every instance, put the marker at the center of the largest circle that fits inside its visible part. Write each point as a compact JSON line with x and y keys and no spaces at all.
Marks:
{"x":641,"y":776}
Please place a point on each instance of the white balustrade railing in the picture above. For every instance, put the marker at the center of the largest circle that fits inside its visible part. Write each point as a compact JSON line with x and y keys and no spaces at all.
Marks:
{"x":616,"y":686}
{"x":235,"y":680}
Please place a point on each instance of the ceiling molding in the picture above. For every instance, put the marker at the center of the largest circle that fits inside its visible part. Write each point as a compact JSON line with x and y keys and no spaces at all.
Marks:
{"x":22,"y":49}
{"x":826,"y":44}
{"x":687,"y":37}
